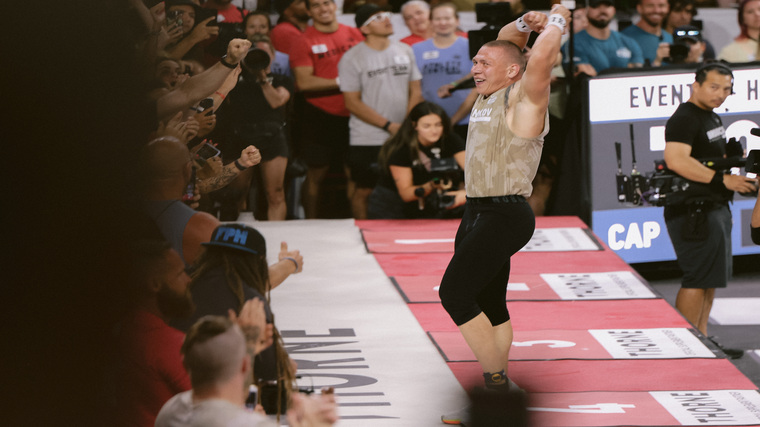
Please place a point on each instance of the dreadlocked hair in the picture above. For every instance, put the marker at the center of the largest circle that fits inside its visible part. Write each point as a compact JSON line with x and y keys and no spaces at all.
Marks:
{"x":246,"y":269}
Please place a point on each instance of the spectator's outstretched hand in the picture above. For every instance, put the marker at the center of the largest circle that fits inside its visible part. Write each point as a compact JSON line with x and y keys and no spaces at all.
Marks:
{"x":313,"y":411}
{"x":295,"y":255}
{"x":536,"y":21}
{"x":230,"y":81}
{"x":174,"y":127}
{"x":202,"y":31}
{"x":250,"y":156}
{"x":253,"y":322}
{"x":237,"y":50}
{"x":206,"y":122}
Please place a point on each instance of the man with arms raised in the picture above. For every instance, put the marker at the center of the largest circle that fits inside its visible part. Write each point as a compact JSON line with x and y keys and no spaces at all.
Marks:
{"x":504,"y":142}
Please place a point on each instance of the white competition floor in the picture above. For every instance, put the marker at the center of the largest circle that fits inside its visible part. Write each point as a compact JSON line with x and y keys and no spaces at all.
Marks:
{"x":347,"y":326}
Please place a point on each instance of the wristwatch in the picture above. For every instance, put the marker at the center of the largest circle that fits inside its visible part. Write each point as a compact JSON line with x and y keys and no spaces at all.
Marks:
{"x":227,"y":64}
{"x":267,"y":80}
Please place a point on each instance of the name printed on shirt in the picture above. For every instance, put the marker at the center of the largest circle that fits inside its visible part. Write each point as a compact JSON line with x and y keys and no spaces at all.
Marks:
{"x":318,"y":48}
{"x":431,"y":54}
{"x":481,"y":115}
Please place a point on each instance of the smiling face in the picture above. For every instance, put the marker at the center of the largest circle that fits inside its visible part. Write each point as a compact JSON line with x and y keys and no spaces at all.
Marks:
{"x":322,"y":11}
{"x":653,"y":11}
{"x":444,"y":20}
{"x":492,"y":70}
{"x":417,"y":19}
{"x":429,"y":129}
{"x":257,"y":24}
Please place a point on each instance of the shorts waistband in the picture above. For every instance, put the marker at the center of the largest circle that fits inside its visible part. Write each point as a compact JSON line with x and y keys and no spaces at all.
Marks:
{"x":513,"y":198}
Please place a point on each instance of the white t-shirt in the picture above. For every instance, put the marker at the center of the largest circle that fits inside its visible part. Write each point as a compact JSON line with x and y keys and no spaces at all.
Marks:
{"x":180,"y":411}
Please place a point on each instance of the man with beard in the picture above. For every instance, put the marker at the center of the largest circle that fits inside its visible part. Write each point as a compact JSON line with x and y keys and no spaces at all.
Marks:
{"x":649,"y":33}
{"x":292,"y":23}
{"x":598,"y":47}
{"x":149,"y":368}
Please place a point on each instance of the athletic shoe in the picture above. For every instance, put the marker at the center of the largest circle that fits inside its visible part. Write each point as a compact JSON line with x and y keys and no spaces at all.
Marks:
{"x":732,"y":353}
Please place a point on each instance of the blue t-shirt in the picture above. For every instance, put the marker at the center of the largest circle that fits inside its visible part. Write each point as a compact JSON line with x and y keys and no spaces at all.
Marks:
{"x":281,"y":64}
{"x":443,"y":66}
{"x":617,"y":51}
{"x":647,"y":41}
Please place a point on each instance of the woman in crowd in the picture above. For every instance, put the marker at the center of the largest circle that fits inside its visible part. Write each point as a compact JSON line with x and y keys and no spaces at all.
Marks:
{"x":407,"y":188}
{"x":232,"y":270}
{"x":745,"y":47}
{"x":254,"y":114}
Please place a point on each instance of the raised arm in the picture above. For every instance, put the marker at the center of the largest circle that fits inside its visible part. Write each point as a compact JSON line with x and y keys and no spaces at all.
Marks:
{"x":532,"y":98}
{"x":202,"y":85}
{"x":519,"y":30}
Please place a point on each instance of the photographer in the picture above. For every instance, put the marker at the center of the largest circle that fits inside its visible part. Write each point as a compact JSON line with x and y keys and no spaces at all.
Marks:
{"x":688,"y":46}
{"x":700,"y":225}
{"x":405,"y":167}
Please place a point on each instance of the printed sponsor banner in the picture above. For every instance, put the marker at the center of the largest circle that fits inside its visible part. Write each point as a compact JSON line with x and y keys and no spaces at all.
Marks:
{"x":561,"y":240}
{"x":522,"y":287}
{"x":588,"y":286}
{"x":712,"y":407}
{"x":656,"y":96}
{"x":592,"y":409}
{"x":660,"y":343}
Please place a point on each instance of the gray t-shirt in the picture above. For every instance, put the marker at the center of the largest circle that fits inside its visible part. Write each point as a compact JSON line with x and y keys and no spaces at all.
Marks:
{"x":180,"y":411}
{"x":383,"y":79}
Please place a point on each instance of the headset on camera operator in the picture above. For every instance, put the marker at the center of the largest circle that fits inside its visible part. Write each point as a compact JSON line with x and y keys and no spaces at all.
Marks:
{"x":420,"y":167}
{"x":700,"y":225}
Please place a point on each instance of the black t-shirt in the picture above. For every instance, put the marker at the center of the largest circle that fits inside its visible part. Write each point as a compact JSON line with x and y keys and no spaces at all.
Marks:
{"x":448,"y":145}
{"x":703,"y":131}
{"x":246,"y":103}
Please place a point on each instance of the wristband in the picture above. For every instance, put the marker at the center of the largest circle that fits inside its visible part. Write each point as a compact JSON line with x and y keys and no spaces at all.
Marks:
{"x":240,"y":167}
{"x":558,"y":21}
{"x":224,"y":62}
{"x":522,"y":26}
{"x":716,"y":183}
{"x":337,"y":81}
{"x":387,"y":125}
{"x":221,"y":95}
{"x":454,"y":84}
{"x":292,"y":259}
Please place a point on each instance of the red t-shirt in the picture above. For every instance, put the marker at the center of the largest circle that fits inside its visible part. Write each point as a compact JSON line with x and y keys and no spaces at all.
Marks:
{"x":230,"y":15}
{"x":151,"y":369}
{"x":414,"y":38}
{"x":284,"y":36}
{"x":323,"y":51}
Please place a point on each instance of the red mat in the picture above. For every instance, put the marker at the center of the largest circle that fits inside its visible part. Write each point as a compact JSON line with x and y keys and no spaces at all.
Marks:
{"x":414,"y":264}
{"x":582,"y":344}
{"x":530,"y":315}
{"x":452,"y":224}
{"x":613,"y":375}
{"x":522,"y":287}
{"x":637,"y":409}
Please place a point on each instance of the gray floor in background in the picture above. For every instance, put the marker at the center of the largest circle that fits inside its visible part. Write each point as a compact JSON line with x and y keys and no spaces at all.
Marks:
{"x":665,"y":279}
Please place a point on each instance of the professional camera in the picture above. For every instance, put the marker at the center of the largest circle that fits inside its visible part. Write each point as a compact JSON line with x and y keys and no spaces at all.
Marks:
{"x":664,"y":187}
{"x":256,"y":60}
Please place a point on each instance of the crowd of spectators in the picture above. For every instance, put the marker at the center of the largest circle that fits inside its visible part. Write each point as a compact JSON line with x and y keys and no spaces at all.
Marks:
{"x":210,"y":120}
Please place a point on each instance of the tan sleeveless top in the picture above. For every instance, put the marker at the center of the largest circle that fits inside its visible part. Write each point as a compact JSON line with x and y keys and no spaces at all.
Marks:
{"x":498,"y":163}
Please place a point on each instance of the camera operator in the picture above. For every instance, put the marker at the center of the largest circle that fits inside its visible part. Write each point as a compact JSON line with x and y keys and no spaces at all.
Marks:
{"x":700,"y":226}
{"x":688,"y":46}
{"x":407,"y":188}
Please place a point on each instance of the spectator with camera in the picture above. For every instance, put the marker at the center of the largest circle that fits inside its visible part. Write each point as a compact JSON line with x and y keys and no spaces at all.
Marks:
{"x":254,"y":113}
{"x":598,"y":47}
{"x":184,"y":13}
{"x":258,"y":23}
{"x":381,"y":83}
{"x":648,"y":32}
{"x":682,"y":13}
{"x":700,"y":225}
{"x":232,"y":270}
{"x":688,"y":46}
{"x":745,"y":47}
{"x":416,"y":164}
{"x":217,"y":356}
